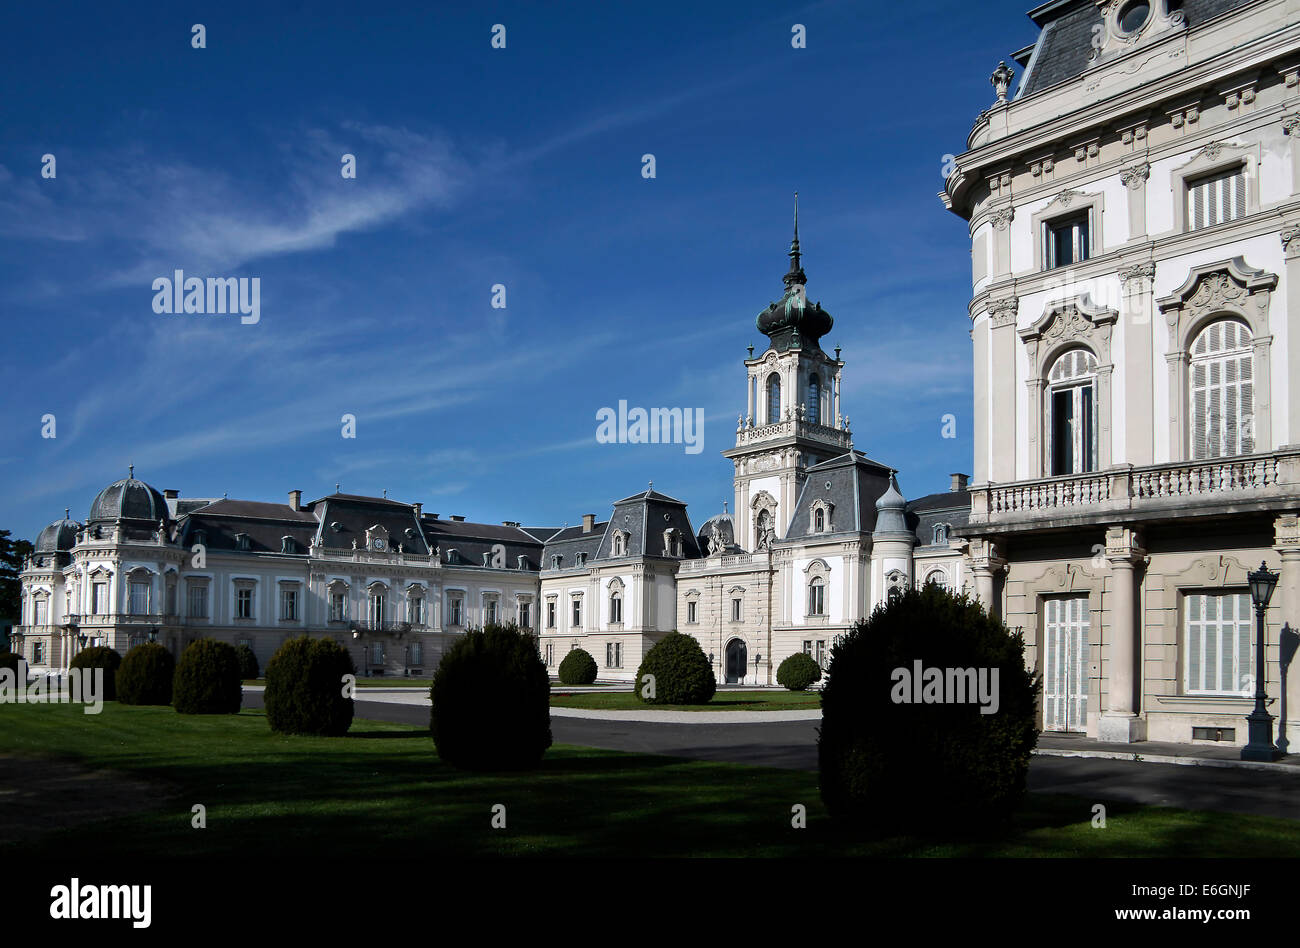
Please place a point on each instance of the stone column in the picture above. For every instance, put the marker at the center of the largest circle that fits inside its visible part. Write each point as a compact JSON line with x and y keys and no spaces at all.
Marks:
{"x":749,"y":395}
{"x":1121,"y":723}
{"x":986,"y":563}
{"x":1286,"y":603}
{"x":1002,"y":320}
{"x":1139,"y":410}
{"x":1291,"y":247}
{"x":1134,"y":178}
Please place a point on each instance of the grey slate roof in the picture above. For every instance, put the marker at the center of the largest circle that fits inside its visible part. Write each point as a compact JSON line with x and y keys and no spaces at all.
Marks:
{"x":1066,"y":39}
{"x":128,"y":499}
{"x":222,"y":521}
{"x":950,"y":507}
{"x":644,"y":517}
{"x":855,"y":482}
{"x":471,"y":540}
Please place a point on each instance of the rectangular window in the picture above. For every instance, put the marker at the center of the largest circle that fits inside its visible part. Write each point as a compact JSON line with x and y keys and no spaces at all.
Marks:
{"x":816,"y":599}
{"x":525,"y":616}
{"x":490,"y":611}
{"x":139,"y":599}
{"x":1216,"y":199}
{"x":1219,"y":644}
{"x":378,"y":610}
{"x":615,"y":609}
{"x":613,"y":655}
{"x":196,"y":599}
{"x":38,"y":653}
{"x":550,"y":655}
{"x":807,"y":646}
{"x":1065,"y":241}
{"x":244,"y":604}
{"x":691,"y":613}
{"x":42,"y":612}
{"x":417,"y":653}
{"x":338,"y":606}
{"x":1073,"y":434}
{"x":577,"y":613}
{"x":550,"y":614}
{"x":735,"y":610}
{"x":820,"y":653}
{"x":99,"y":599}
{"x":377,"y":653}
{"x":289,"y":605}
{"x":457,"y":611}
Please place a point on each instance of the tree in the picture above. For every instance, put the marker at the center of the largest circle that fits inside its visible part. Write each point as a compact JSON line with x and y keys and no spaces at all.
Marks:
{"x":12,"y":554}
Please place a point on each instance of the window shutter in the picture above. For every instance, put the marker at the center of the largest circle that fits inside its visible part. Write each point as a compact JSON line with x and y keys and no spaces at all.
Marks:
{"x":1199,"y":408}
{"x":1197,"y":196}
{"x":1239,"y":193}
{"x":1195,"y":643}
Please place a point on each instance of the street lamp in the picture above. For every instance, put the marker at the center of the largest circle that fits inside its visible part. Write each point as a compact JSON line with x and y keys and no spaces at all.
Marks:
{"x":1260,"y":722}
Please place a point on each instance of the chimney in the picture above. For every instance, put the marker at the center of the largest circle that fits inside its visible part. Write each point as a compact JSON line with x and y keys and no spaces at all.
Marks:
{"x":419,"y":510}
{"x":588,"y":522}
{"x":433,"y":516}
{"x":958,"y":482}
{"x":295,"y":500}
{"x":509,"y":523}
{"x":457,"y":518}
{"x":171,"y":494}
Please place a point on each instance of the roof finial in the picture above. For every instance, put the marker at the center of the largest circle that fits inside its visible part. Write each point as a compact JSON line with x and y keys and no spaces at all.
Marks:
{"x":130,"y":470}
{"x":336,"y":488}
{"x":724,"y":507}
{"x":796,"y":274}
{"x":67,"y":513}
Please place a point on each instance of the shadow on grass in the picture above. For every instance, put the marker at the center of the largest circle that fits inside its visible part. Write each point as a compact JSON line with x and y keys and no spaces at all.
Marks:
{"x":386,"y":735}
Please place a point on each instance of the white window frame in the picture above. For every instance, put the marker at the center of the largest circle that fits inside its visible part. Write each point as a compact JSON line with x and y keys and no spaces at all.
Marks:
{"x":1223,"y":425}
{"x":1209,"y":662}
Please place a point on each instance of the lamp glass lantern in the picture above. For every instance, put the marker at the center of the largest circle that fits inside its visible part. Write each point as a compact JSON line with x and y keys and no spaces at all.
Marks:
{"x":1262,"y":583}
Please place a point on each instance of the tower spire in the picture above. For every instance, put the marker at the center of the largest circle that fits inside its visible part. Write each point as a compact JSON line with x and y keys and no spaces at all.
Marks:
{"x":796,"y":274}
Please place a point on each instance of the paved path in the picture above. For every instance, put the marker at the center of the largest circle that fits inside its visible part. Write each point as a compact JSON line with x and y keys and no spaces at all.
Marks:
{"x":792,"y":745}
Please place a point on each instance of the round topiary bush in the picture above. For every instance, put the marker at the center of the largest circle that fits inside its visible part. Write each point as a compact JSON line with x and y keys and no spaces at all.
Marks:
{"x":304,"y":688}
{"x":146,"y":675}
{"x":248,"y":667}
{"x":578,"y":668}
{"x":491,"y":701}
{"x":798,"y":671}
{"x":207,"y":679}
{"x":682,"y":673}
{"x":100,"y":656}
{"x":905,"y":746}
{"x":10,"y":661}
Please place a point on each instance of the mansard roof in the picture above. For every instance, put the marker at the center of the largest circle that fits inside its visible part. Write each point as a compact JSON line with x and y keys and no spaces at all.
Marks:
{"x":347,"y":517}
{"x":951,"y":507}
{"x":1066,"y":38}
{"x":471,"y":540}
{"x":265,"y":525}
{"x":644,"y":517}
{"x":856,"y":483}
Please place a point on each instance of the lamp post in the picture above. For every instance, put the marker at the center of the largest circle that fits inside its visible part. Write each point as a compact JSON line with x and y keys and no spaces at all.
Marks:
{"x":1260,"y":722}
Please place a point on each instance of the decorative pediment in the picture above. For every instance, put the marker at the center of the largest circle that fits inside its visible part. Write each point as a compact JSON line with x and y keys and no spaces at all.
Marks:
{"x":377,"y":537}
{"x":1226,"y":286}
{"x":1075,"y":320}
{"x":1123,"y":27}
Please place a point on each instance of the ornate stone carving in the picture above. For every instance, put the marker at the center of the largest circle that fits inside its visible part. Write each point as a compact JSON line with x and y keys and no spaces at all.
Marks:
{"x":1002,"y":219}
{"x":1003,"y":312}
{"x":1141,"y":271}
{"x":1065,"y":198}
{"x":1289,"y":235}
{"x":1136,"y":176}
{"x":1290,"y":123}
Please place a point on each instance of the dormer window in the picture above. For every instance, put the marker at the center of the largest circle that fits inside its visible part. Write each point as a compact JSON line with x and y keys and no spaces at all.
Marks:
{"x":940,"y":534}
{"x":242,"y":542}
{"x":619,"y":543}
{"x":582,"y":559}
{"x":287,"y":545}
{"x":555,"y":561}
{"x":1134,"y":16}
{"x":201,"y":537}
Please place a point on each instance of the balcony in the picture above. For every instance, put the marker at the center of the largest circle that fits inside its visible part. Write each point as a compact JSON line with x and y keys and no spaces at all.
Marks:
{"x":386,"y":627}
{"x":795,"y":428}
{"x":1161,"y":491}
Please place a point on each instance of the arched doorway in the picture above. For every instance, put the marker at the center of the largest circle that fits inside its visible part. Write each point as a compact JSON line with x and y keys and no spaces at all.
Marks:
{"x":737,"y":656}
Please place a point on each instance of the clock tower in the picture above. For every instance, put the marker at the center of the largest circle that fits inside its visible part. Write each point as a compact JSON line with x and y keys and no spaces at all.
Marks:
{"x":792,"y":420}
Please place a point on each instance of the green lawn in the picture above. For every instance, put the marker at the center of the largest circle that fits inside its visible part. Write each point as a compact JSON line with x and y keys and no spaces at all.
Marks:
{"x":381,"y":792}
{"x":722,"y":701}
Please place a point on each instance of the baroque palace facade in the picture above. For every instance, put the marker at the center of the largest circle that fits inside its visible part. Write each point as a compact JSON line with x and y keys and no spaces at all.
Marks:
{"x":1133,"y":212}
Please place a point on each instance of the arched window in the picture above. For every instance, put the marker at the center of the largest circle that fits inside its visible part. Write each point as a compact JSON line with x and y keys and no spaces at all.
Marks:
{"x":817,"y":596}
{"x":940,"y":533}
{"x":938,"y":577}
{"x":1072,"y":413}
{"x":615,"y":607}
{"x":1222,"y":391}
{"x":773,"y":398}
{"x":819,"y":521}
{"x":814,"y":399}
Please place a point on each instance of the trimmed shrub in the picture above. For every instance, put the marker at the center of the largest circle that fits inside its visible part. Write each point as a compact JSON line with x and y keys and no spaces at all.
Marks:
{"x":578,"y":668}
{"x":146,"y":675}
{"x":798,"y":671}
{"x":893,"y":764}
{"x":207,"y":679}
{"x":491,"y":701}
{"x":681,"y":670}
{"x":100,"y":656}
{"x":10,"y":661}
{"x":304,"y":688}
{"x":248,"y":667}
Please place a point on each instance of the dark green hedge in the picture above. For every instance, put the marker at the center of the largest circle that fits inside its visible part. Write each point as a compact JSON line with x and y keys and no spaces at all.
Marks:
{"x":146,"y":675}
{"x":578,"y":668}
{"x":491,"y":701}
{"x":798,"y":671}
{"x":305,"y":689}
{"x":207,"y":679}
{"x":248,"y":667}
{"x":901,"y":766}
{"x":100,"y":656}
{"x":682,"y":672}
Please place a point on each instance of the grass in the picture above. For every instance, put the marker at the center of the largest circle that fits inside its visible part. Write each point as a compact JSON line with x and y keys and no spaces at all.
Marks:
{"x":381,"y":791}
{"x":722,"y":701}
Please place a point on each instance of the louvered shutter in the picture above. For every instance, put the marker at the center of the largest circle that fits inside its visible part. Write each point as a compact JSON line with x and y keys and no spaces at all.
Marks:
{"x":1195,"y":643}
{"x":1200,"y":406}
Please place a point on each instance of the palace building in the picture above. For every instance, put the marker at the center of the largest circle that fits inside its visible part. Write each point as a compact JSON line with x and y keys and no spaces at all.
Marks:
{"x":1133,"y":207}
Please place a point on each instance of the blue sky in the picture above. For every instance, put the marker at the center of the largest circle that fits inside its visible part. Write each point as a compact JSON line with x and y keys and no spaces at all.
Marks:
{"x":475,"y":166}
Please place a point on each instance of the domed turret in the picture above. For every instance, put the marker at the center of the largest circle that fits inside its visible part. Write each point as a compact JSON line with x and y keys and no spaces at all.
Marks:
{"x":891,"y":511}
{"x":793,"y":322}
{"x":128,"y":499}
{"x":58,"y":537}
